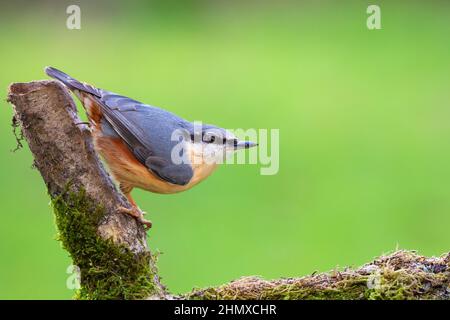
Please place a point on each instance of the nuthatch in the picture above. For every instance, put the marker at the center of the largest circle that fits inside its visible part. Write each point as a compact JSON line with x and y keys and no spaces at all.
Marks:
{"x":136,"y":141}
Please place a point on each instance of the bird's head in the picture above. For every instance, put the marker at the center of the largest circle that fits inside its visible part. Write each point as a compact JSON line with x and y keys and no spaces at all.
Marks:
{"x":213,"y":143}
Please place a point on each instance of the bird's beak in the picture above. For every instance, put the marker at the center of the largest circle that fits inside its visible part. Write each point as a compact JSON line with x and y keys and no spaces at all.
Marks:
{"x":245,"y":145}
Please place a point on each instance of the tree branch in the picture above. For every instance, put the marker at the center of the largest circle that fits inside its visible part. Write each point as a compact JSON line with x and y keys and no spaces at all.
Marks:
{"x":98,"y":237}
{"x":400,"y":275}
{"x":111,"y":250}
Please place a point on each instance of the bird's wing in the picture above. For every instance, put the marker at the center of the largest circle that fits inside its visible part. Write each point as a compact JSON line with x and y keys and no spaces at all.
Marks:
{"x":148,"y":132}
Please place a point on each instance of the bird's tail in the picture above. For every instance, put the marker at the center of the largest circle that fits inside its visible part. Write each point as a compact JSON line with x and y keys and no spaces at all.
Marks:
{"x":69,"y":82}
{"x":61,"y":76}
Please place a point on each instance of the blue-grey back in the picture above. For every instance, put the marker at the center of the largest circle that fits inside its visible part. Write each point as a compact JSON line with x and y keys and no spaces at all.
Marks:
{"x":148,"y":132}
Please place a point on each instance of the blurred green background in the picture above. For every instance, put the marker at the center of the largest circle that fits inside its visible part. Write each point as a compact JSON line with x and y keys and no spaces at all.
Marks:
{"x":363,"y":118}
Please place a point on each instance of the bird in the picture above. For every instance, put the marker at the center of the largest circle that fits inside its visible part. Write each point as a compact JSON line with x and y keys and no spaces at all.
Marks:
{"x":148,"y":147}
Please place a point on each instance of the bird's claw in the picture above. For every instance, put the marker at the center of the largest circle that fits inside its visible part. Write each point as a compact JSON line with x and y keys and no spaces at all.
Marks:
{"x":138,"y":214}
{"x":147,"y":223}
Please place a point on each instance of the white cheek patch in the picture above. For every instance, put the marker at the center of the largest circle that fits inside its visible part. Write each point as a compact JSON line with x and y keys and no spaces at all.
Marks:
{"x":208,"y":153}
{"x":195,"y":151}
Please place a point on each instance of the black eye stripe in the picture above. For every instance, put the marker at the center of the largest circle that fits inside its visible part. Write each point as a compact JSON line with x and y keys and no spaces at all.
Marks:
{"x":213,"y":139}
{"x":207,"y":137}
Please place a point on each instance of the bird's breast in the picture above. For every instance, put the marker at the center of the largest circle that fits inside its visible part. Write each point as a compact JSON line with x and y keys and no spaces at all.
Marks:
{"x":128,"y":170}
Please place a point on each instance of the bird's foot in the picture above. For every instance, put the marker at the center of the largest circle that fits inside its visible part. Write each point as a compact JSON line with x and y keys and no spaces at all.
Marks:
{"x":138,"y":214}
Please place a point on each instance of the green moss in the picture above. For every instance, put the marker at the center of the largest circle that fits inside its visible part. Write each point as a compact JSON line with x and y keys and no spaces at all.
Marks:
{"x":108,"y":270}
{"x":400,"y":276}
{"x":403,"y":285}
{"x":348,"y":289}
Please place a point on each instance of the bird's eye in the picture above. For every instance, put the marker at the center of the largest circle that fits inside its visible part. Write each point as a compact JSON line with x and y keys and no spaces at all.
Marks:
{"x":209,"y":138}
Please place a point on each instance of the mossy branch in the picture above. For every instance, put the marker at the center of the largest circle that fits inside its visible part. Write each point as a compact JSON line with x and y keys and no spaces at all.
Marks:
{"x":398,"y":276}
{"x":110,"y":248}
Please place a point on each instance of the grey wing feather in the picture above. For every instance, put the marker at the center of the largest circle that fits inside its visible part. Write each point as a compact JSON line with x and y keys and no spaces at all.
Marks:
{"x":147,"y":131}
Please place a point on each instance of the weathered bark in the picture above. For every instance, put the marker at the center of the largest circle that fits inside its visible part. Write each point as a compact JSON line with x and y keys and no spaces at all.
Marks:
{"x":110,"y":248}
{"x":64,"y":155}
